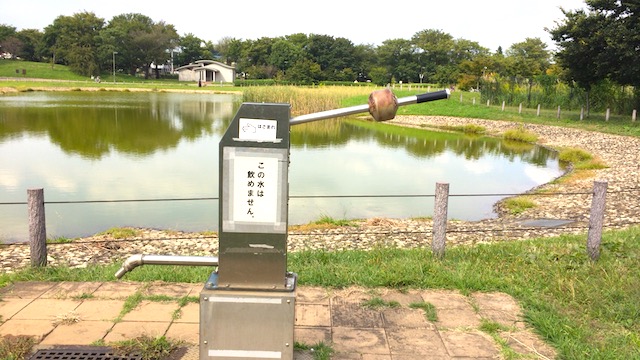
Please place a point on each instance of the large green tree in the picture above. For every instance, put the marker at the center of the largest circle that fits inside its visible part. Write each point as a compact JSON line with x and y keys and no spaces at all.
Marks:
{"x":230,"y":50}
{"x":31,"y":44}
{"x":620,"y":26}
{"x":529,"y":59}
{"x":584,"y":39}
{"x":334,"y":55}
{"x":75,"y":41}
{"x":435,"y":51}
{"x":191,"y":49}
{"x":9,"y":42}
{"x":398,"y":58}
{"x":138,"y":42}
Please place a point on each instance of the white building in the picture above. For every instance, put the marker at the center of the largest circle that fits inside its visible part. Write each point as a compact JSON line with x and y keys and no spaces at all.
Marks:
{"x":207,"y":71}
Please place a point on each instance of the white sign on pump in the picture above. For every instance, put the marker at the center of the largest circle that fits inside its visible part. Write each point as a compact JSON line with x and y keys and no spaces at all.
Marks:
{"x":257,"y":129}
{"x":255,"y":189}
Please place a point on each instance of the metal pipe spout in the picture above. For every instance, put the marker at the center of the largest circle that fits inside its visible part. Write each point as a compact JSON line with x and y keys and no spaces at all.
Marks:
{"x":139,"y":259}
{"x":382,"y":105}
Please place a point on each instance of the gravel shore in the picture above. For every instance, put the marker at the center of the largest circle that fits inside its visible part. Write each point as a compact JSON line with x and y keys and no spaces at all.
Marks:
{"x":621,"y":155}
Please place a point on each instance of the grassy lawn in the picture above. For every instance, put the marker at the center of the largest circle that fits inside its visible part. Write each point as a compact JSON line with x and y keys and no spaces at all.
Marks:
{"x":587,"y":310}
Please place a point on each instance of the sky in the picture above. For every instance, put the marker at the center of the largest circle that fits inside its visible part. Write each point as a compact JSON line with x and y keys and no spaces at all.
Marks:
{"x":491,"y":23}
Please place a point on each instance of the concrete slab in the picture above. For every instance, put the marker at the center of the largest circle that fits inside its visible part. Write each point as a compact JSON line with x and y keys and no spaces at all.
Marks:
{"x":474,"y":344}
{"x":68,"y":290}
{"x":361,"y":341}
{"x":152,"y":311}
{"x":47,"y":309}
{"x":505,"y":318}
{"x":416,"y":342}
{"x":117,"y":290}
{"x":334,"y":317}
{"x":528,"y":344}
{"x":375,"y":357}
{"x":496,"y":301}
{"x":403,"y":298}
{"x":11,"y":306}
{"x":457,"y":318}
{"x":422,"y":357}
{"x":189,"y":313}
{"x":445,"y":299}
{"x":26,"y":290}
{"x":501,"y":308}
{"x":312,"y":295}
{"x":176,"y":290}
{"x":312,"y":335}
{"x":94,"y":310}
{"x":353,"y":295}
{"x":187,"y":332}
{"x":81,"y":333}
{"x":355,"y":316}
{"x":128,"y":330}
{"x":403,"y":317}
{"x":35,"y":328}
{"x":548,"y":223}
{"x":312,"y":315}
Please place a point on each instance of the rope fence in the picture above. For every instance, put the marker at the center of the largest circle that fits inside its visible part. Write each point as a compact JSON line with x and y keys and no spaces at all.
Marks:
{"x":439,"y":229}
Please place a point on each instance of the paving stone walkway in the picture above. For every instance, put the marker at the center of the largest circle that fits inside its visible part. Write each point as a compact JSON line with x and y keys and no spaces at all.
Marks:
{"x":83,"y":313}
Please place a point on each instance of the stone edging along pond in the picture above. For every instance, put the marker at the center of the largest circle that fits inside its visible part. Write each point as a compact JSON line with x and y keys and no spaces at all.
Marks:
{"x":620,"y":154}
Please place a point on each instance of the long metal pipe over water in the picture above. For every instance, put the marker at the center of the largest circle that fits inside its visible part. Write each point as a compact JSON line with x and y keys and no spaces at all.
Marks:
{"x":139,"y":259}
{"x":382,"y":105}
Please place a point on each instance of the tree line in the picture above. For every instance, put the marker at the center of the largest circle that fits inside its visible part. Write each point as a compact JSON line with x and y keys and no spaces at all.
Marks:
{"x":597,"y":49}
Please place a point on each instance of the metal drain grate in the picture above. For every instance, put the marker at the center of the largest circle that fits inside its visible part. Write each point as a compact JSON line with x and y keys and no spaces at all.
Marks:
{"x":79,"y":353}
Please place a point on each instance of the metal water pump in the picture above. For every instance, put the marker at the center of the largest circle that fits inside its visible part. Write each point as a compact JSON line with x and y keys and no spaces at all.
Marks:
{"x":247,"y":305}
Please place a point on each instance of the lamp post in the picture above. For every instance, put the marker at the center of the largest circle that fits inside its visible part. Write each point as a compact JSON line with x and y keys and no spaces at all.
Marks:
{"x":114,"y":66}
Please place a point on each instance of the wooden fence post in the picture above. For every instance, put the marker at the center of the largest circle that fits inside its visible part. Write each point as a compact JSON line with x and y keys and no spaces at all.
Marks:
{"x":581,"y":113}
{"x":440,"y":219}
{"x":520,"y":108}
{"x":37,"y":229}
{"x":558,"y":111}
{"x":634,"y":114}
{"x":607,"y":115}
{"x":538,"y":112}
{"x":503,"y":104}
{"x":596,"y":219}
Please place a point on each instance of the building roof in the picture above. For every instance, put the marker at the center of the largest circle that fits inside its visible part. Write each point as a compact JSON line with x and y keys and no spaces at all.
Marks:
{"x":200,"y":64}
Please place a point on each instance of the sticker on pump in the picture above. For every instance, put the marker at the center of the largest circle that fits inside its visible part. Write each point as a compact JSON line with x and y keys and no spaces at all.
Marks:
{"x":257,"y":129}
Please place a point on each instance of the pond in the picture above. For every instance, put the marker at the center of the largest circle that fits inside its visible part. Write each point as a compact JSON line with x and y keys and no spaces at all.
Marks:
{"x":92,"y":152}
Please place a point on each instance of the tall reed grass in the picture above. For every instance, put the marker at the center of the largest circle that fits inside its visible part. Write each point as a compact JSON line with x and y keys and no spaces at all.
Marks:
{"x":305,"y":100}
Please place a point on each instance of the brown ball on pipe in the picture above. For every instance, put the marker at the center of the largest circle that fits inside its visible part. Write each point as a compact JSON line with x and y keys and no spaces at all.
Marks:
{"x":383,"y":105}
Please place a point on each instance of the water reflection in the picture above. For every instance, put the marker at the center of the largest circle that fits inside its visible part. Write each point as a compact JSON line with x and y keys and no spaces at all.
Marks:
{"x":82,"y":146}
{"x":95,"y":124}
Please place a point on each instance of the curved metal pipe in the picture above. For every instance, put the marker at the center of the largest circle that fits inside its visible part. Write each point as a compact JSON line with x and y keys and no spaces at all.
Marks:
{"x":139,"y":259}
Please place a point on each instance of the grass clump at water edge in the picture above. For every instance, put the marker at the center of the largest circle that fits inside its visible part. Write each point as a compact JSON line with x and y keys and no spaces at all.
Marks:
{"x":520,"y":134}
{"x":517,"y":205}
{"x":467,"y":128}
{"x":580,"y":159}
{"x":122,"y":233}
